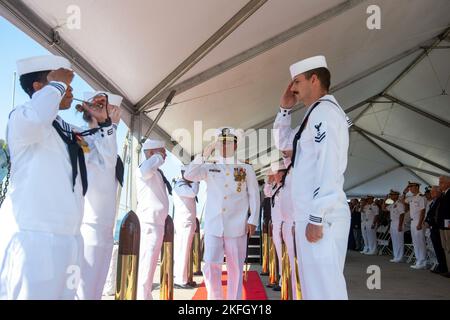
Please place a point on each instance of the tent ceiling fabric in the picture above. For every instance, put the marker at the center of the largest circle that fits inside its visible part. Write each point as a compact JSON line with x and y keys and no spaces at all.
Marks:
{"x":423,"y":86}
{"x":156,"y":37}
{"x":264,"y":24}
{"x":364,"y":161}
{"x":396,"y":179}
{"x":138,"y":46}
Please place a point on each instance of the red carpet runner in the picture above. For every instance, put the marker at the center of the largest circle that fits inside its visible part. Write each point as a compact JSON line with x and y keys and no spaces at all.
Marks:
{"x":253,"y":289}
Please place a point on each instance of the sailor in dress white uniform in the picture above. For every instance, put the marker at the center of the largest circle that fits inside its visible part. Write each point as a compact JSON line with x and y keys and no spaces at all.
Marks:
{"x":105,"y":171}
{"x":44,"y":208}
{"x":152,"y":210}
{"x":320,"y":145}
{"x":185,"y":203}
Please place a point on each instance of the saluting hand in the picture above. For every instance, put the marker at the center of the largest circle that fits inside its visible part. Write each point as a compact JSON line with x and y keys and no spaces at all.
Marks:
{"x":313,"y":232}
{"x":114,"y":114}
{"x":61,"y":75}
{"x":209,"y":149}
{"x":288,"y":99}
{"x":406,"y":190}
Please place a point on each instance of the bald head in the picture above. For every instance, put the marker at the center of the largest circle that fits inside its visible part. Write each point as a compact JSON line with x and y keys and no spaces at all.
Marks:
{"x":435,"y":192}
{"x":444,"y":183}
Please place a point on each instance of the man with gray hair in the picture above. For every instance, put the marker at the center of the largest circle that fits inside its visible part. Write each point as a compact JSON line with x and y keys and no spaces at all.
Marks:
{"x":431,"y":220}
{"x":444,"y":218}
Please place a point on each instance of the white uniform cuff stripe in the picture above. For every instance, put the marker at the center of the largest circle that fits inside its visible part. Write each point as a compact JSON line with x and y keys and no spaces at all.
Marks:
{"x":315,"y":219}
{"x":58,"y":86}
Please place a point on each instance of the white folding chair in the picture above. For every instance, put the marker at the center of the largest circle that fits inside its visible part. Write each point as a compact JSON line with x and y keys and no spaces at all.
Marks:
{"x":383,"y":238}
{"x":409,"y":251}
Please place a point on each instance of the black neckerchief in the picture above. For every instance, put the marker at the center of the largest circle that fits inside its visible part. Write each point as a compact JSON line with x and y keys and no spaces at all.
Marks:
{"x":281,"y":186}
{"x":166,"y":182}
{"x":303,"y":126}
{"x":299,"y":133}
{"x":185,"y":183}
{"x":76,"y":154}
{"x":298,"y":136}
{"x":120,"y":170}
{"x":274,"y":194}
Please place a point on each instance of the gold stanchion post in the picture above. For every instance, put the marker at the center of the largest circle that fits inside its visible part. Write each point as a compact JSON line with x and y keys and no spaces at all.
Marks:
{"x":128,"y":259}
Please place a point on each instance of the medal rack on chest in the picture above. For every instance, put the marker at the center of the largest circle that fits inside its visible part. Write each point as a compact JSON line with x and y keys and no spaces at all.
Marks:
{"x":239,"y":173}
{"x":239,"y":176}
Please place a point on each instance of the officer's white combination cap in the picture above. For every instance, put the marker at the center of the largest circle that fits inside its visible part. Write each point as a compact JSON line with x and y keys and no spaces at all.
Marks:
{"x":229,"y":133}
{"x":225,"y":131}
{"x":42,"y":63}
{"x":307,"y":65}
{"x":153,"y":144}
{"x":113,"y":99}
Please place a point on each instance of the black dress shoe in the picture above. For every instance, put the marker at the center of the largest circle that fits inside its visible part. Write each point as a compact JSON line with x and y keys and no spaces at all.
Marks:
{"x":276,"y":288}
{"x":435,"y":271}
{"x":198,"y":273}
{"x":270,"y":285}
{"x":438,"y":271}
{"x":446,"y":274}
{"x":264,"y":274}
{"x":192,"y":284}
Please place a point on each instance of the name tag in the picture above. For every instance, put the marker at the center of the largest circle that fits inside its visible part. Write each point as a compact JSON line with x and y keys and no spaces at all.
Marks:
{"x":447,"y":223}
{"x":214,"y":170}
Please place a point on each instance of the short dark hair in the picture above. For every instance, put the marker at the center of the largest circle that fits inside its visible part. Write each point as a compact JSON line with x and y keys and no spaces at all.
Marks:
{"x":27,"y":80}
{"x":87,"y":117}
{"x":323,"y":74}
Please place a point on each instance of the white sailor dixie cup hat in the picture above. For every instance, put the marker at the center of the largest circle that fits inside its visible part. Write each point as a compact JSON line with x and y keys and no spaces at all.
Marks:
{"x":307,"y":65}
{"x":113,"y":99}
{"x":42,"y":63}
{"x":151,"y":144}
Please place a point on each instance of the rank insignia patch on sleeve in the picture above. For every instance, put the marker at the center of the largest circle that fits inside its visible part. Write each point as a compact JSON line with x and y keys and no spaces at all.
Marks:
{"x":320,"y":135}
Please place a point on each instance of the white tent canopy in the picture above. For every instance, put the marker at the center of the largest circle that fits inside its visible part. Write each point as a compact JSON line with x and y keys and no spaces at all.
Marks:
{"x":228,"y":61}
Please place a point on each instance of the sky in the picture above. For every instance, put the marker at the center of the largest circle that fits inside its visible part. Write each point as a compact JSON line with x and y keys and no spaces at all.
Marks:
{"x":17,"y":45}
